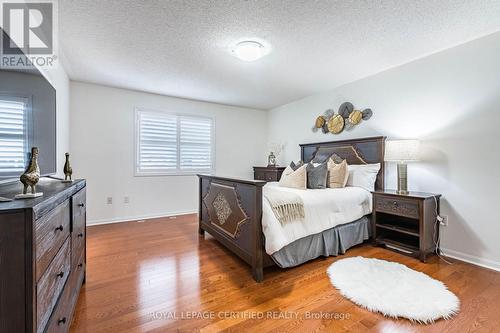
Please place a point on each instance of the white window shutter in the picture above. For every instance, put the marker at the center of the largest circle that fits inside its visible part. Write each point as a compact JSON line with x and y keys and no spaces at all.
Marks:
{"x":157,"y":141}
{"x":173,"y":144}
{"x":13,"y":135}
{"x":196,"y":144}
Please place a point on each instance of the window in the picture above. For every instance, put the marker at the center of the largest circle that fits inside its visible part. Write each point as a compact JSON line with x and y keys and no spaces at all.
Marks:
{"x":14,"y":120}
{"x":169,"y":144}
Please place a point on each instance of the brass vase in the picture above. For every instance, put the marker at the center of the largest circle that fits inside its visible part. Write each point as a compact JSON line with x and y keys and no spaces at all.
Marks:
{"x":68,"y":170}
{"x":32,"y":174}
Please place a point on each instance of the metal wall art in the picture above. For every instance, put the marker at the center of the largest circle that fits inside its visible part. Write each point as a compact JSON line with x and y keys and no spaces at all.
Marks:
{"x":346,"y":119}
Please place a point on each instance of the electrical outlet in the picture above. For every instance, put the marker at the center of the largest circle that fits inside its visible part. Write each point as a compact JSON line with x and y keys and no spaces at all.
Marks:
{"x":444,"y":222}
{"x":126,"y":200}
{"x":109,"y":200}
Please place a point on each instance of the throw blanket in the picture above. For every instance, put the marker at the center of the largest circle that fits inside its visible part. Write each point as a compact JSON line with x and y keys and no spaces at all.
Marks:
{"x":286,"y":206}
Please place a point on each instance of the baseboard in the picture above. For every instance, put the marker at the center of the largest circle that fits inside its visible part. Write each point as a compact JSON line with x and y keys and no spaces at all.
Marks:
{"x":486,"y":263}
{"x":137,"y":218}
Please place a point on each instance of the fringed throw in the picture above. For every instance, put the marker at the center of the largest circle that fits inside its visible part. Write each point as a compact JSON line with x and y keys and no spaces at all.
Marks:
{"x":286,"y":206}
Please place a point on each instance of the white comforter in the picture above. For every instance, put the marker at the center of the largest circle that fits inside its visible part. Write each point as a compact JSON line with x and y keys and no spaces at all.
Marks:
{"x":324,"y":209}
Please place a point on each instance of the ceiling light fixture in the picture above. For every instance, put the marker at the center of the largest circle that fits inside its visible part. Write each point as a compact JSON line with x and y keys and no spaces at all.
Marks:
{"x":249,"y":50}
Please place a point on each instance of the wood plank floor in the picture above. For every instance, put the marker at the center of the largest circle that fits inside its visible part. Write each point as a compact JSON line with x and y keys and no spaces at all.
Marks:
{"x":155,"y":276}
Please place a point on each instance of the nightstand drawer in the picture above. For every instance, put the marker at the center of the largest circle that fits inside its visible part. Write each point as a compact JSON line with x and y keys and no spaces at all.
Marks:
{"x":397,"y":206}
{"x":268,"y":174}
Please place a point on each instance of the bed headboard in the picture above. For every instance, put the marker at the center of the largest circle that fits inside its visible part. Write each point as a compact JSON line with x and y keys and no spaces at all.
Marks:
{"x":355,"y":151}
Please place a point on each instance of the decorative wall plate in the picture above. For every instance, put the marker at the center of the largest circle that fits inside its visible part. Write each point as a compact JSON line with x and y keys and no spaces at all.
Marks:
{"x":320,"y":121}
{"x":336,"y":124}
{"x":355,"y":117}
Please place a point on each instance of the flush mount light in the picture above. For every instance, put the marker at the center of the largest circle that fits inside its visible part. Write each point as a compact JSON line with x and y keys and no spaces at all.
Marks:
{"x":249,"y":50}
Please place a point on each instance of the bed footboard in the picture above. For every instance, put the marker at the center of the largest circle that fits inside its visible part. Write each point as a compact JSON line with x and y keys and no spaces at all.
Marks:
{"x":231,"y":211}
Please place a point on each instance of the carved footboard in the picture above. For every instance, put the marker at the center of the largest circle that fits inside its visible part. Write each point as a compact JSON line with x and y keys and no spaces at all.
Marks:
{"x":231,"y":211}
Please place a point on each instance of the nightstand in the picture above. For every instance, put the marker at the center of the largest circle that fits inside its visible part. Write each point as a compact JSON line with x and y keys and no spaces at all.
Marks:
{"x":406,"y":223}
{"x":269,"y":174}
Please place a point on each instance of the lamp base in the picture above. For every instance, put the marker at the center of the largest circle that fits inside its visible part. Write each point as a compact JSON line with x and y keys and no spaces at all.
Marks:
{"x":402,"y":178}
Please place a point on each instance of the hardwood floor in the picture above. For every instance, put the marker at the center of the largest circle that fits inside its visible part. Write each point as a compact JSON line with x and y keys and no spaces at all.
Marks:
{"x":141,"y":275}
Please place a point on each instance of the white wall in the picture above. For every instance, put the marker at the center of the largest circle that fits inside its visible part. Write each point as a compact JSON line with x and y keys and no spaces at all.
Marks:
{"x":450,"y":101}
{"x":102,"y":148}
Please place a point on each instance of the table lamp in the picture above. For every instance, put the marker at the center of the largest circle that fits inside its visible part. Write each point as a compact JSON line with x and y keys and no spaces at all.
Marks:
{"x":402,"y":151}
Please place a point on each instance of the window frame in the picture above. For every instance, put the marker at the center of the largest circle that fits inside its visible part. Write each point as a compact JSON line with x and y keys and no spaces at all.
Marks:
{"x":137,"y":112}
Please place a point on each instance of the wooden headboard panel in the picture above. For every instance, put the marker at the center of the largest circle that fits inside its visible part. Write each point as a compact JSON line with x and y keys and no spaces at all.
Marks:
{"x":355,"y":151}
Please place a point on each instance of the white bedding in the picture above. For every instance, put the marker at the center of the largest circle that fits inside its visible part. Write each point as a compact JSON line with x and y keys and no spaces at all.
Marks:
{"x":324,"y":209}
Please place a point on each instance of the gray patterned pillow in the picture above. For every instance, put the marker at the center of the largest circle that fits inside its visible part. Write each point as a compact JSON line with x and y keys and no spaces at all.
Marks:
{"x":324,"y":156}
{"x":296,"y":166}
{"x":317,"y":175}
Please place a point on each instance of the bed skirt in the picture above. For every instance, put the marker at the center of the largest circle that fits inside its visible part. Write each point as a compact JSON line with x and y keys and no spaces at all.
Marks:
{"x":331,"y":242}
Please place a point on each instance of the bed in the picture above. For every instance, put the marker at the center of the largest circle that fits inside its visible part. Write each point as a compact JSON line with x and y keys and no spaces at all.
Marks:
{"x":235,"y":213}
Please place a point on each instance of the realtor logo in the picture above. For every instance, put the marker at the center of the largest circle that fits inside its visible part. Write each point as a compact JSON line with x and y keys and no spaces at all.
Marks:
{"x":29,"y":26}
{"x":28,"y":34}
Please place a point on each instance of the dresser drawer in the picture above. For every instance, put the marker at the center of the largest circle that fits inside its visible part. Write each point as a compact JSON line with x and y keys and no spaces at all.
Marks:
{"x":61,"y":318}
{"x":77,"y":247}
{"x":79,"y":223}
{"x":51,"y":231}
{"x":397,"y":206}
{"x":51,"y":284}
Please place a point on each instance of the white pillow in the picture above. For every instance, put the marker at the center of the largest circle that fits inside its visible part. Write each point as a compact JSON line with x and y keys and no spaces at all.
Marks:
{"x":363,"y":175}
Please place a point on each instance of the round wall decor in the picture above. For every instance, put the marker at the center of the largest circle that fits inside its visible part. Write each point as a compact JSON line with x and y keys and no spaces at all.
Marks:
{"x":336,"y":124}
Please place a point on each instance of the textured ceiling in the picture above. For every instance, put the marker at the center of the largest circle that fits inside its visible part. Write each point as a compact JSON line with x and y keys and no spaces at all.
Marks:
{"x":181,"y":48}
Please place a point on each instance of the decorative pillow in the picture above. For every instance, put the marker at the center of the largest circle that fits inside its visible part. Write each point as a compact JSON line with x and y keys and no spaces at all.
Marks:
{"x":363,"y":175}
{"x":323,"y":156}
{"x":294,"y":179}
{"x":296,"y":166}
{"x":338,"y":173}
{"x":316,"y":175}
{"x":336,"y":158}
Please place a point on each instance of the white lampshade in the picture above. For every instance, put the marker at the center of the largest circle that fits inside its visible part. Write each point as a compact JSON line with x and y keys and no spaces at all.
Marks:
{"x":402,"y":150}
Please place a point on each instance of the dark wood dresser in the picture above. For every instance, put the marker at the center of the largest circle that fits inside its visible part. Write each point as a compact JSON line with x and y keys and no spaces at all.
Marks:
{"x":269,"y":174}
{"x":42,"y":256}
{"x":406,"y":223}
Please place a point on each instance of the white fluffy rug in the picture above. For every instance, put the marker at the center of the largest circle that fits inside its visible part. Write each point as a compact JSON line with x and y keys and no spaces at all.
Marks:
{"x":393,"y":289}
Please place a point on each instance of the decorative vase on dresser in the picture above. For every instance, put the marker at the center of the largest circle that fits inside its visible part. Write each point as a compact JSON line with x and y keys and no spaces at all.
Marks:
{"x":269,"y":173}
{"x":42,"y":256}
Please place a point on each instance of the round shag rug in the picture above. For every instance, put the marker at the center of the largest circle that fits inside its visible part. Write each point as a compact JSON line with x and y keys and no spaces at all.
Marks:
{"x":393,"y":289}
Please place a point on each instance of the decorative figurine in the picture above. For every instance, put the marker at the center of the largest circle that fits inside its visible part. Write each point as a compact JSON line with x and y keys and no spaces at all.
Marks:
{"x":68,"y":170}
{"x":271,"y":160}
{"x":275,"y":149}
{"x":31,"y":177}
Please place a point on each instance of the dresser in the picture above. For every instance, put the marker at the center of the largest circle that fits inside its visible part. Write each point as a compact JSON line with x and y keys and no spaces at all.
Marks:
{"x":42,"y":256}
{"x":406,"y":223}
{"x":269,"y":174}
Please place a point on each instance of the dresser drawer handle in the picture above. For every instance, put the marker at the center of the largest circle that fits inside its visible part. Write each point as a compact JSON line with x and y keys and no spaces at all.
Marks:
{"x":61,"y":321}
{"x":80,"y":235}
{"x":81,"y":205}
{"x":395,"y":203}
{"x":60,"y":228}
{"x":60,"y":275}
{"x":80,"y":265}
